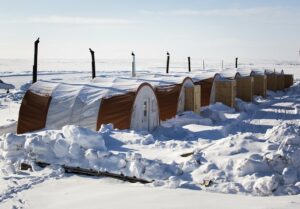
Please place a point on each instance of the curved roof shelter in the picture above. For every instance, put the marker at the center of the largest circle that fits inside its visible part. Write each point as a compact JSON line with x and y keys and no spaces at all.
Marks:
{"x":217,"y":89}
{"x":275,"y":80}
{"x":244,"y":86}
{"x":52,"y":105}
{"x":208,"y":89}
{"x":187,"y":82}
{"x":259,"y":83}
{"x":171,"y":98}
{"x":288,"y":79}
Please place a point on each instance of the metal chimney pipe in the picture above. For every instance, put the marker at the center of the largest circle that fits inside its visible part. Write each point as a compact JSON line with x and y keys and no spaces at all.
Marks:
{"x":168,"y":62}
{"x":189,"y":61}
{"x":133,"y":65}
{"x":34,"y":70}
{"x":93,"y":64}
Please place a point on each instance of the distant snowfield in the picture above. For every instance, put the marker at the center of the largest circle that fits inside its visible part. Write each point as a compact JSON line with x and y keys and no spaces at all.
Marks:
{"x":247,"y":153}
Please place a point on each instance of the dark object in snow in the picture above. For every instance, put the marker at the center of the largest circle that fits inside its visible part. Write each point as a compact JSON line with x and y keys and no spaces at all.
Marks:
{"x":168,"y":62}
{"x":189,"y":63}
{"x":34,"y":72}
{"x":133,"y":65}
{"x":93,"y":63}
{"x":90,"y":172}
{"x":187,"y":154}
{"x":25,"y":167}
{"x":206,"y":183}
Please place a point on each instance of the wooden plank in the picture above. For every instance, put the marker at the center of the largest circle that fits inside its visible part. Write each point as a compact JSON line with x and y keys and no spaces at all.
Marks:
{"x":260,"y":85}
{"x":272,"y":82}
{"x":192,"y":99}
{"x":226,"y":92}
{"x":280,"y":82}
{"x":244,"y":88}
{"x":90,"y":172}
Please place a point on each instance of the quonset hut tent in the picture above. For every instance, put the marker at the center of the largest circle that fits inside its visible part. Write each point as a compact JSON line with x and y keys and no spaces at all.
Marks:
{"x":171,"y":98}
{"x":244,"y":87}
{"x":53,"y":105}
{"x":217,"y":89}
{"x":260,"y":83}
{"x":288,"y":80}
{"x":275,"y":81}
{"x":206,"y":90}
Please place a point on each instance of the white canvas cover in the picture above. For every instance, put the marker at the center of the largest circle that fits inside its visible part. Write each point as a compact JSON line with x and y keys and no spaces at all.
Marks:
{"x":86,"y":107}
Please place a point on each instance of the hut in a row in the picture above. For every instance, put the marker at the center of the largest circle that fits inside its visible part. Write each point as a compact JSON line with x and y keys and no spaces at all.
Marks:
{"x":134,"y":106}
{"x":218,"y":89}
{"x":259,"y":83}
{"x":278,"y":81}
{"x":138,"y":105}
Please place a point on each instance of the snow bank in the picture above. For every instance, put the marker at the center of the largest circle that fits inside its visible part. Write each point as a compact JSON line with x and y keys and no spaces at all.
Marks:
{"x":217,"y":111}
{"x":77,"y":146}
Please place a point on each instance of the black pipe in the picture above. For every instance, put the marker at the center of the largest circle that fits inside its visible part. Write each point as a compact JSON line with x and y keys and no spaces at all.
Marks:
{"x":168,"y":62}
{"x":236,"y":62}
{"x":93,"y":63}
{"x":34,"y":71}
{"x":189,"y":61}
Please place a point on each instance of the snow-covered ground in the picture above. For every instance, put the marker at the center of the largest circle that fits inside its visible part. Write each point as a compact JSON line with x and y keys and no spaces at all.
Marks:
{"x":248,"y":154}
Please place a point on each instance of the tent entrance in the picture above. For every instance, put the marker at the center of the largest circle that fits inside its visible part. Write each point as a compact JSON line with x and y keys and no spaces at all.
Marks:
{"x":145,"y":123}
{"x":145,"y":113}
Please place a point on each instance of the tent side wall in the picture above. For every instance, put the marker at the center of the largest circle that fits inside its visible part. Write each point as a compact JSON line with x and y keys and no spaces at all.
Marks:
{"x":275,"y":81}
{"x":62,"y":105}
{"x":33,"y":112}
{"x":260,"y":85}
{"x":244,"y":88}
{"x":272,"y":81}
{"x":206,"y":87}
{"x":288,"y":80}
{"x":116,"y":110}
{"x":280,"y":81}
{"x":167,"y":97}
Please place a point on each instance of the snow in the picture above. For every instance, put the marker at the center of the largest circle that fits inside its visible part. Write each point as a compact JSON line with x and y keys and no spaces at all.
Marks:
{"x":6,"y":86}
{"x":245,"y":152}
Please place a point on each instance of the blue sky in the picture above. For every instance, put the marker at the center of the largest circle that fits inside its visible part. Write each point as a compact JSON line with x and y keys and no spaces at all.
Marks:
{"x":262,"y":29}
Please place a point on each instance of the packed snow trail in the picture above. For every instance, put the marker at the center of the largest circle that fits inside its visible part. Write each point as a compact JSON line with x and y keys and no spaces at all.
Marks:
{"x":15,"y":185}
